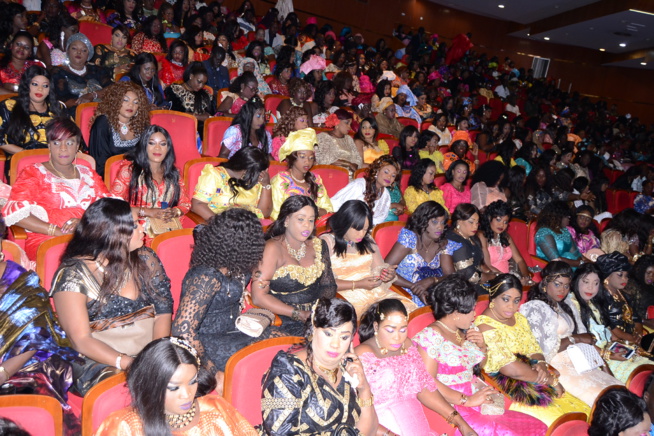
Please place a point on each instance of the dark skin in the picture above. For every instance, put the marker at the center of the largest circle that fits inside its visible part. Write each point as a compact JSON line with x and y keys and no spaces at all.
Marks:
{"x":299,"y":97}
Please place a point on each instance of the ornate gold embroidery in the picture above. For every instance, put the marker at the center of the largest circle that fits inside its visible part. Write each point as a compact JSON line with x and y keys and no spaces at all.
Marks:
{"x":306,"y":276}
{"x":463,"y":264}
{"x":281,"y":403}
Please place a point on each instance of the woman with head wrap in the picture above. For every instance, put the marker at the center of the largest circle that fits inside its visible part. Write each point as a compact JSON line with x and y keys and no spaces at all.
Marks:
{"x":337,"y":147}
{"x":249,"y":64}
{"x":404,"y":102}
{"x":388,"y":124}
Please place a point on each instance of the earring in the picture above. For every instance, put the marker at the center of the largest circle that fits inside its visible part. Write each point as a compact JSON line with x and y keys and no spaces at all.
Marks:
{"x":458,"y":227}
{"x":2,"y":256}
{"x":403,"y":350}
{"x":606,"y":283}
{"x":492,"y":304}
{"x":382,"y":350}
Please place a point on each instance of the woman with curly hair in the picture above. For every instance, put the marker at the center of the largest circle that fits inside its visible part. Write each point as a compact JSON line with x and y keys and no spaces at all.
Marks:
{"x":115,"y":56}
{"x":553,"y":240}
{"x":151,"y":37}
{"x":498,"y":245}
{"x":295,"y":119}
{"x":149,"y":181}
{"x":242,"y":181}
{"x":296,"y":268}
{"x":247,"y":129}
{"x":322,"y":105}
{"x":299,"y":92}
{"x":174,"y":64}
{"x":372,"y":188}
{"x":226,"y":253}
{"x":370,"y":148}
{"x":337,"y":146}
{"x":122,"y":116}
{"x":487,"y":184}
{"x":421,"y":186}
{"x":298,"y":152}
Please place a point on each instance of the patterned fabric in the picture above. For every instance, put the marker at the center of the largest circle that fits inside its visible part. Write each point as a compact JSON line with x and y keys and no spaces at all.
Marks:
{"x":355,"y":190}
{"x":298,"y":402}
{"x":170,"y":72}
{"x":445,"y":135}
{"x":414,"y":268}
{"x":453,"y":197}
{"x":414,"y":198}
{"x":549,"y":328}
{"x":283,"y":186}
{"x":395,"y":382}
{"x":10,"y":75}
{"x":500,"y":256}
{"x":584,"y":242}
{"x":538,"y":200}
{"x":213,"y":188}
{"x":141,"y":43}
{"x":106,"y":56}
{"x":468,"y":257}
{"x":51,"y":199}
{"x":86,"y":14}
{"x":217,"y":418}
{"x":396,"y":197}
{"x":233,"y":140}
{"x":643,"y":203}
{"x":278,"y":87}
{"x":184,"y":100}
{"x":455,"y":370}
{"x":68,"y":85}
{"x":370,"y":154}
{"x":34,"y":138}
{"x":436,"y":157}
{"x":482,"y":195}
{"x":450,"y":157}
{"x":330,"y":149}
{"x":551,"y":245}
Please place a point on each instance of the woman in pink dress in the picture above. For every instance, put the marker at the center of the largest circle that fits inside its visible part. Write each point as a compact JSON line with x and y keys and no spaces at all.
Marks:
{"x":453,"y":357}
{"x":397,"y":376}
{"x":456,"y":190}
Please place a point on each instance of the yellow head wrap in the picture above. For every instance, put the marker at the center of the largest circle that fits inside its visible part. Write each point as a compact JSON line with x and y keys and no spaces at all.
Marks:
{"x":300,"y":140}
{"x":384,"y":103}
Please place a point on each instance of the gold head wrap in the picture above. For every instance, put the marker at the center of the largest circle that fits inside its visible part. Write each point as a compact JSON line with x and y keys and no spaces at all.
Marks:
{"x":384,"y":103}
{"x":300,"y":140}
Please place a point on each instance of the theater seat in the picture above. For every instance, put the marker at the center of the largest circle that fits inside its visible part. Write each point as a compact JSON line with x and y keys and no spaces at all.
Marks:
{"x":25,"y":158}
{"x":334,"y":178}
{"x":37,"y":414}
{"x":174,"y":249}
{"x":214,"y":130}
{"x":48,"y":257}
{"x":386,"y":234}
{"x":103,"y":399}
{"x":419,"y":319}
{"x":182,"y":129}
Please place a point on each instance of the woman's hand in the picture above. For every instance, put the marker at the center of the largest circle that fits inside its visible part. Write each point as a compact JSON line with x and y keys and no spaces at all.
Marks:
{"x":69,"y":226}
{"x":345,"y":95}
{"x":476,"y":337}
{"x":398,"y":208}
{"x":480,"y":397}
{"x":542,"y":372}
{"x":526,"y":281}
{"x":420,"y":288}
{"x":355,"y":368}
{"x":388,"y":274}
{"x":367,"y":283}
{"x":264,"y":178}
{"x":559,"y":390}
{"x":86,"y":98}
{"x":163,"y":214}
{"x":202,"y":117}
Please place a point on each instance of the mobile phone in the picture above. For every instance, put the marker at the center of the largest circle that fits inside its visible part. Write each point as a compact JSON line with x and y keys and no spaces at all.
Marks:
{"x":619,"y":348}
{"x":164,"y":205}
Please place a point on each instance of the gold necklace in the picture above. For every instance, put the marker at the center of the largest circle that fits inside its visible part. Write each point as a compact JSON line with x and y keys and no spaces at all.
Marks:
{"x":60,"y":174}
{"x":296,"y":254}
{"x":497,"y":317}
{"x":330,"y":374}
{"x":181,"y":421}
{"x":627,"y":312}
{"x":456,"y":332}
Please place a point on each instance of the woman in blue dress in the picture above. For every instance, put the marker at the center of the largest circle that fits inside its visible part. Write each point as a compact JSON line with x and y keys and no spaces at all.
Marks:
{"x":553,"y":240}
{"x":418,"y":250}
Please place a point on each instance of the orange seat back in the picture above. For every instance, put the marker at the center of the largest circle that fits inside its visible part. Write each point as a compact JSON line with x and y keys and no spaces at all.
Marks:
{"x":404,"y":181}
{"x":419,"y":319}
{"x":174,"y":249}
{"x":334,"y":178}
{"x":83,"y":114}
{"x":569,"y":424}
{"x":11,"y":250}
{"x":275,"y":167}
{"x":103,"y":399}
{"x":193,"y":169}
{"x":244,"y":373}
{"x":214,"y":130}
{"x":531,"y":247}
{"x":392,"y":143}
{"x":111,"y":169}
{"x":26,"y":158}
{"x":385,"y":235}
{"x":636,"y":381}
{"x":406,"y":121}
{"x":519,"y":232}
{"x":482,"y":304}
{"x":97,"y":33}
{"x":48,"y":258}
{"x":271,"y":102}
{"x":37,"y":414}
{"x":182,"y":129}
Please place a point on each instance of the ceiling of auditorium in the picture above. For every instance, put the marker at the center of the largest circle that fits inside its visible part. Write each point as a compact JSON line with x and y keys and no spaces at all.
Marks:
{"x":623,"y":29}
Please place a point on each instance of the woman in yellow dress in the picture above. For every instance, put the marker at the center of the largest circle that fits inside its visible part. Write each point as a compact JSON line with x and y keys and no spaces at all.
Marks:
{"x":361,"y":275}
{"x":242,"y":181}
{"x":298,"y":152}
{"x":370,"y":148}
{"x":516,"y":361}
{"x":421,"y":186}
{"x":428,"y":149}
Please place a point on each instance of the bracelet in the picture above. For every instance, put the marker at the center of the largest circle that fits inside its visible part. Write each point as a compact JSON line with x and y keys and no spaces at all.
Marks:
{"x":2,"y":369}
{"x":141,"y":213}
{"x":178,"y":212}
{"x":266,"y":187}
{"x":295,"y":315}
{"x":51,"y":229}
{"x":464,"y":400}
{"x":451,"y":417}
{"x":353,"y":282}
{"x":118,"y":359}
{"x":366,"y":403}
{"x":555,"y":381}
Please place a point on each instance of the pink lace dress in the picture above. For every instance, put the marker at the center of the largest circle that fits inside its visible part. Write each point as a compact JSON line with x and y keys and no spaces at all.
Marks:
{"x":455,"y":365}
{"x":395,"y":382}
{"x":500,"y":256}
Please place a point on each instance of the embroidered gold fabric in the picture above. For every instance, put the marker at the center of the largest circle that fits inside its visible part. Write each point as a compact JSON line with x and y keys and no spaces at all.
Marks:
{"x":303,"y":275}
{"x":463,"y":264}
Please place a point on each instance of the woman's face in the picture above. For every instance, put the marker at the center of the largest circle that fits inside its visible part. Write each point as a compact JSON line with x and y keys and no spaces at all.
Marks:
{"x":429,"y":176}
{"x":499,"y":224}
{"x":367,"y":131}
{"x":330,"y":97}
{"x":156,"y":27}
{"x":51,"y":8}
{"x":301,"y":122}
{"x":258,"y":119}
{"x":463,"y":125}
{"x":386,"y":176}
{"x":248,"y":66}
{"x":286,"y":74}
{"x":649,"y":275}
{"x":393,"y":331}
{"x":317,"y":75}
{"x":118,"y":40}
{"x":422,"y":100}
{"x":181,"y":390}
{"x":449,"y":105}
{"x":157,"y":148}
{"x":39,"y":89}
{"x":411,"y":141}
{"x":300,"y":225}
{"x":583,"y":221}
{"x":506,"y":129}
{"x":356,"y":236}
{"x":223,"y":41}
{"x":198,"y":40}
{"x":442,"y":121}
{"x":558,"y":288}
{"x":138,"y":233}
{"x":589,"y":286}
{"x":129,"y":5}
{"x":300,"y":94}
{"x":129,"y":106}
{"x":383,"y":65}
{"x":341,"y":59}
{"x":20,"y":21}
{"x":387,"y":91}
{"x":565,"y":159}
{"x":401,"y":99}
{"x":304,"y":161}
{"x":178,"y":54}
{"x":507,"y":303}
{"x":249,"y":90}
{"x":390,"y":112}
{"x":433,"y":142}
{"x":641,"y":429}
{"x":461,"y":149}
{"x":460,"y":173}
{"x":256,"y":52}
{"x":197,"y":81}
{"x":435,"y":228}
{"x":63,"y":151}
{"x":343,"y":127}
{"x":147,"y":71}
{"x":541,"y":178}
{"x":70,"y":31}
{"x":168,"y":15}
{"x":469,"y":227}
{"x":21,"y":48}
{"x":330,"y":344}
{"x":618,"y":280}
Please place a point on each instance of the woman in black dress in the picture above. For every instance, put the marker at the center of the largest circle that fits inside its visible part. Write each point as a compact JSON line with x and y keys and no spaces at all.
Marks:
{"x":296,"y":269}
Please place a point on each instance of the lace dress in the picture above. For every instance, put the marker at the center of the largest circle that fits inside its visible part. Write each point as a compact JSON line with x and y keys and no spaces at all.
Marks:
{"x":355,"y":266}
{"x":504,"y":344}
{"x":414,"y":268}
{"x":453,"y":197}
{"x":500,"y":255}
{"x":455,"y":370}
{"x":551,"y":245}
{"x":300,"y":287}
{"x":297,"y":402}
{"x":396,"y":381}
{"x":207,"y":313}
{"x":549,"y":328}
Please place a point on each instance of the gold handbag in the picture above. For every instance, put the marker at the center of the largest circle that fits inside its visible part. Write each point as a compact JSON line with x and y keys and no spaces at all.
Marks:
{"x":254,"y":321}
{"x":127,"y":334}
{"x":156,"y":226}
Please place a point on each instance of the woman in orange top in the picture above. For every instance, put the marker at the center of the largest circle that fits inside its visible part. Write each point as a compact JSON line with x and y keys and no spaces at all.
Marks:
{"x":458,"y":151}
